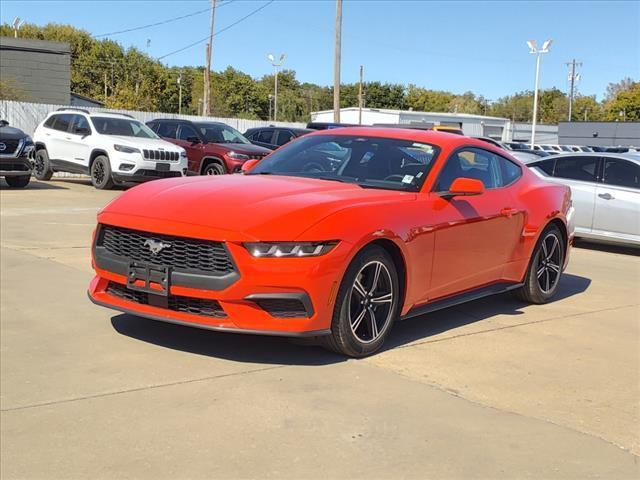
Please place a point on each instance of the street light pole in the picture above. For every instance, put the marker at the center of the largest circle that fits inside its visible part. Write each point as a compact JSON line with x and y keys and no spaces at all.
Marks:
{"x":276,"y":65}
{"x":538,"y":53}
{"x":336,"y":63}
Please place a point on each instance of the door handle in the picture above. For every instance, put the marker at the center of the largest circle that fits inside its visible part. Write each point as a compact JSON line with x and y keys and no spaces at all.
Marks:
{"x":508,"y":212}
{"x":606,"y":196}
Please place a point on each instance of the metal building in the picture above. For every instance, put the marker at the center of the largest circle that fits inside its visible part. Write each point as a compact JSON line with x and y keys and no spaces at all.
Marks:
{"x":472,"y":125}
{"x":608,"y":134}
{"x":39,"y":70}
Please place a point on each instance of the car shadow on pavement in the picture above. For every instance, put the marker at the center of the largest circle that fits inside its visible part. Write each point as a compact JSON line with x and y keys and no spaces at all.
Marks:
{"x":33,"y":185}
{"x":423,"y":327}
{"x":283,"y":351}
{"x":231,"y":346}
{"x":606,"y":247}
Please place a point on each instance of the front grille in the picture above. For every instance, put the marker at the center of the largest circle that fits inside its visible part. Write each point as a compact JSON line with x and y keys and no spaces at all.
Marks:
{"x":161,"y":155}
{"x":176,"y":303}
{"x":283,"y":308}
{"x":14,"y":167}
{"x":10,"y":146}
{"x":158,"y":173}
{"x":183,"y":254}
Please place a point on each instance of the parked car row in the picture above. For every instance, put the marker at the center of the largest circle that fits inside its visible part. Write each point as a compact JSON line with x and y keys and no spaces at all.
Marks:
{"x":16,"y":149}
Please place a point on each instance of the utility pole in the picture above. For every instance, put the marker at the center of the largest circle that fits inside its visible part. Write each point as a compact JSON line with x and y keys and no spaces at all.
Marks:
{"x":105,"y":87}
{"x":180,"y":93}
{"x":360,"y":96}
{"x":336,"y":63}
{"x":573,"y":77}
{"x":206,"y":108}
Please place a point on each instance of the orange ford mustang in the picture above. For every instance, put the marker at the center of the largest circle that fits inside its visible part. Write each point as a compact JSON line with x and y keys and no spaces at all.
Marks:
{"x":336,"y":236}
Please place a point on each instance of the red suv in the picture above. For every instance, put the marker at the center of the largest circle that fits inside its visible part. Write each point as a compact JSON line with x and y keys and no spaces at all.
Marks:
{"x":213,"y":148}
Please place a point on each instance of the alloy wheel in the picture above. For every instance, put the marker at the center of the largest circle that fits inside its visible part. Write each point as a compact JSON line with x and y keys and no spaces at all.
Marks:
{"x":98,"y":173}
{"x":548,"y":266}
{"x":371,"y":302}
{"x":213,"y":169}
{"x":39,"y":165}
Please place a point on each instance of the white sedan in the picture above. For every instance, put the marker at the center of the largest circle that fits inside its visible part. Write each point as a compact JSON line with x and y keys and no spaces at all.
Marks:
{"x":605,"y":189}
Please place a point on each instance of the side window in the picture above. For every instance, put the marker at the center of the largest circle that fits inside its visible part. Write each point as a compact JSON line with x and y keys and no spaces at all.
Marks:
{"x":264,"y":136}
{"x":63,"y":121}
{"x":186,"y":132}
{"x":168,"y":130}
{"x":471,"y":163}
{"x":284,"y":136}
{"x":79,"y":121}
{"x":249,"y":134}
{"x":546,"y":166}
{"x":153,"y":126}
{"x":576,"y":168}
{"x":510,"y":171}
{"x":621,"y":173}
{"x":51,"y":121}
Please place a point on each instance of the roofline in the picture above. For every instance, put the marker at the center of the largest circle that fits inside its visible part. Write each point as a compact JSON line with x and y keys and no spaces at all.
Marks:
{"x":414,"y":112}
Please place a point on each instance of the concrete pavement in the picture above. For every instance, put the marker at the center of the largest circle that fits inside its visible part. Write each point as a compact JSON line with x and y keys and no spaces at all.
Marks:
{"x":491,"y":389}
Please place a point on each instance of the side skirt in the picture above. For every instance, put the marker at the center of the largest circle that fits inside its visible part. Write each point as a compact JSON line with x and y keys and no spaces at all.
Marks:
{"x":469,"y":296}
{"x":66,"y":166}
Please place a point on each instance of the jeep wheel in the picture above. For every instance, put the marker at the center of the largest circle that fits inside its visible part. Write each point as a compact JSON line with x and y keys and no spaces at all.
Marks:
{"x":42,"y":168}
{"x":101,"y":173}
{"x":214,"y":168}
{"x":18,"y":182}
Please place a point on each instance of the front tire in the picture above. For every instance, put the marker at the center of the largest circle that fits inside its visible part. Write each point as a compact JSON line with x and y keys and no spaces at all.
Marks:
{"x":18,"y":182}
{"x":545,"y":268}
{"x":101,"y":173}
{"x":366,"y":306}
{"x":214,"y":168}
{"x":42,"y":167}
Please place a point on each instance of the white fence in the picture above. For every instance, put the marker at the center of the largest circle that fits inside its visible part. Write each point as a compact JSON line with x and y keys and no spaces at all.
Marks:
{"x":26,"y":116}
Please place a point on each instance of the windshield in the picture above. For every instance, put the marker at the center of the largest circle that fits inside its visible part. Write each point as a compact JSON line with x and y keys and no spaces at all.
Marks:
{"x":124,"y":127}
{"x":373,"y":162}
{"x":217,"y":133}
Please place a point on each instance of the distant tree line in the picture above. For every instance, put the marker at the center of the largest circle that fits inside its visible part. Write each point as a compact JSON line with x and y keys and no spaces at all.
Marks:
{"x":131,"y":79}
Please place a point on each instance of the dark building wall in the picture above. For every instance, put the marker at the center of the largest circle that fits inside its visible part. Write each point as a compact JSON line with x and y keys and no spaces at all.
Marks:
{"x":37,"y":68}
{"x":625,"y":134}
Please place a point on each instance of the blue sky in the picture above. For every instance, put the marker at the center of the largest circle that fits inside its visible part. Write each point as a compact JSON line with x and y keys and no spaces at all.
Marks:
{"x":456,"y":46}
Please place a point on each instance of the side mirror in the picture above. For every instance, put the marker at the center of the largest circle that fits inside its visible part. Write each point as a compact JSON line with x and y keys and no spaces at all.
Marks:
{"x":248,"y":165}
{"x":193,"y":140}
{"x":82,"y":131}
{"x":462,"y":187}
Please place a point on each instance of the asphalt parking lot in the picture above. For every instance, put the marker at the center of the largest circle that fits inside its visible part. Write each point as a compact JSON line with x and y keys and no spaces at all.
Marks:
{"x":491,"y":389}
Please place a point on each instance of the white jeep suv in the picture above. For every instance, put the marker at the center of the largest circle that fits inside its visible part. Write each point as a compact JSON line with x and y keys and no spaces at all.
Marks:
{"x":111,"y":148}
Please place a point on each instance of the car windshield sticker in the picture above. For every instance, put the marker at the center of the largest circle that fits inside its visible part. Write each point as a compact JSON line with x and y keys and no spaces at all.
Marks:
{"x":407,"y":179}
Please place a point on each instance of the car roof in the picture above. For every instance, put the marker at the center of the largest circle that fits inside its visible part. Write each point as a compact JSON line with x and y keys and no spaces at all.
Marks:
{"x":438,"y":138}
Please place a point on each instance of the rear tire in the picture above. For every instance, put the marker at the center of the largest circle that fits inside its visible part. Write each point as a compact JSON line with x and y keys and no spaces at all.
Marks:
{"x":545,"y":268}
{"x":18,"y":182}
{"x":214,"y":168}
{"x":101,"y":173}
{"x":42,"y":167}
{"x":367,"y":304}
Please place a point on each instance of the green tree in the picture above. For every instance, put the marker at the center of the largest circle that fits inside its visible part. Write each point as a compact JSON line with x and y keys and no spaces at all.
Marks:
{"x":625,"y":104}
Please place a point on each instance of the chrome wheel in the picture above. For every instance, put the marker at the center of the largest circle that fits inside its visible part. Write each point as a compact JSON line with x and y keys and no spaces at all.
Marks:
{"x":548,"y":266}
{"x":370,"y":302}
{"x":214,"y":169}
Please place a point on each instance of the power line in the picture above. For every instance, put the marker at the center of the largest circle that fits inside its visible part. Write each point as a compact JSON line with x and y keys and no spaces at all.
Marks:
{"x":163,"y":22}
{"x":217,"y":33}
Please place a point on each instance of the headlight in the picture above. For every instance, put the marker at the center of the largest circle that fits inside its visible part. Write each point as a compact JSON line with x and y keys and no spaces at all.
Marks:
{"x":125,"y":149}
{"x":238,"y":156}
{"x":289,"y":249}
{"x":183,"y":154}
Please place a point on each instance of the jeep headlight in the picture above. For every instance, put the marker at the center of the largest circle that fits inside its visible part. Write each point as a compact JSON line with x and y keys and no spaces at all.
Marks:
{"x":289,"y":249}
{"x":125,"y":149}
{"x":238,"y":156}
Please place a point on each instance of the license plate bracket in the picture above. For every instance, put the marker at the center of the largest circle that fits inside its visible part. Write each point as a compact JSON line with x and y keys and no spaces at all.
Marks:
{"x":149,"y":275}
{"x":163,"y":167}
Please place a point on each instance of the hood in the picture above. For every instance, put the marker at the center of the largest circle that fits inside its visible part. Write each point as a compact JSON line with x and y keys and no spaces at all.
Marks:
{"x":246,"y":148}
{"x":238,"y":207}
{"x":11,"y":133}
{"x":148,"y":143}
